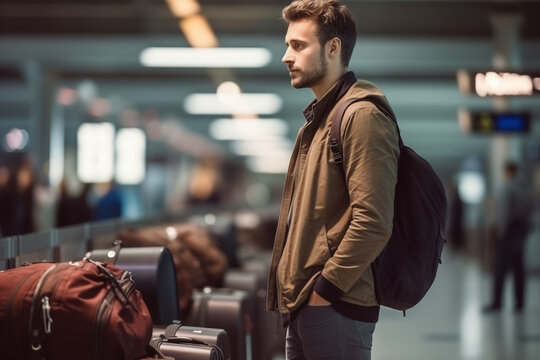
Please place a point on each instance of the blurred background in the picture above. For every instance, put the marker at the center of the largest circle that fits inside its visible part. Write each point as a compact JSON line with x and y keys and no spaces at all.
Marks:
{"x":124,"y":109}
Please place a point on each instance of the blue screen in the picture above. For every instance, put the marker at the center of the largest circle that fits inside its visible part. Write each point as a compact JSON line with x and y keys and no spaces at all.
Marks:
{"x":511,"y":122}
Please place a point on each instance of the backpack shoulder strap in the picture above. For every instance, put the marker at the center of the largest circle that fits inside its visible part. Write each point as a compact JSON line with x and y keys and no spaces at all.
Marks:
{"x":335,"y":129}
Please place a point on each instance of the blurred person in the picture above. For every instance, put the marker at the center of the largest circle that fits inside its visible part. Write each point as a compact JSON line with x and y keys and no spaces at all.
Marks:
{"x":109,"y":204}
{"x":205,"y":184}
{"x":73,"y":204}
{"x":512,"y":228}
{"x":4,"y":181}
{"x":455,"y":229}
{"x":332,"y":224}
{"x":18,"y":215}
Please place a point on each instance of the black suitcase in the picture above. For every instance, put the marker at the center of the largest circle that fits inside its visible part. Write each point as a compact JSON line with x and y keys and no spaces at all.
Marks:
{"x":154,"y":274}
{"x":218,"y":337}
{"x":226,"y":309}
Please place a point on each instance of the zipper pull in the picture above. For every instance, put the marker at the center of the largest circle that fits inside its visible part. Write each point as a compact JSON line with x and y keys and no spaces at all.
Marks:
{"x":47,"y":320}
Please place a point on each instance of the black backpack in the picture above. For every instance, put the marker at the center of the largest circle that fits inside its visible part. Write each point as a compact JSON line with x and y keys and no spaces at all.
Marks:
{"x":406,"y":268}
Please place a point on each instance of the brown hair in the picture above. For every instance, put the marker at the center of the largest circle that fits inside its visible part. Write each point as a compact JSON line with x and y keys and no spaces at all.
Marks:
{"x":333,"y":20}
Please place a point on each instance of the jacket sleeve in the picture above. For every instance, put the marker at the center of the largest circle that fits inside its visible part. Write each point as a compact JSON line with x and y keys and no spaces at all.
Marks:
{"x":370,"y":158}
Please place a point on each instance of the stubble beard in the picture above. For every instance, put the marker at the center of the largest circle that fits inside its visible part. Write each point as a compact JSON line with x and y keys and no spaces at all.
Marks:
{"x":311,"y":77}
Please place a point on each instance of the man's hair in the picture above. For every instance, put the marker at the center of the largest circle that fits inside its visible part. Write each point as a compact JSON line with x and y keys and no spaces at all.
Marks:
{"x":333,"y":20}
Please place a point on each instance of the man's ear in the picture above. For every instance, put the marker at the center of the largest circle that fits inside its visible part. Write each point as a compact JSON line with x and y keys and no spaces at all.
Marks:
{"x":334,"y":47}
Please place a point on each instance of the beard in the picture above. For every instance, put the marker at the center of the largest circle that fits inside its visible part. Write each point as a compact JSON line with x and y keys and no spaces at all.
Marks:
{"x":309,"y":78}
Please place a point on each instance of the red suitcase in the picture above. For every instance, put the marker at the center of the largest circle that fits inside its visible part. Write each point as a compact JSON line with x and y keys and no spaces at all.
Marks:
{"x":78,"y":310}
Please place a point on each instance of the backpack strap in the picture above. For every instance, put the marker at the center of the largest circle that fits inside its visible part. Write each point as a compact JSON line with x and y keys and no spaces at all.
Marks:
{"x":335,"y":130}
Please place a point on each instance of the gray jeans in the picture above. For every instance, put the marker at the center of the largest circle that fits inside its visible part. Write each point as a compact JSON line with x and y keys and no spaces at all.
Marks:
{"x":320,"y":332}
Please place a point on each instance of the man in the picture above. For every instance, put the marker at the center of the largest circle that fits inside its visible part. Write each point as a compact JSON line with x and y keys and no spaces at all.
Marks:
{"x":332,"y":223}
{"x":513,"y":223}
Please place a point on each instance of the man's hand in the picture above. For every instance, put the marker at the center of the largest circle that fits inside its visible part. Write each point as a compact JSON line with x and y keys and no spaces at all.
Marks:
{"x":317,"y":300}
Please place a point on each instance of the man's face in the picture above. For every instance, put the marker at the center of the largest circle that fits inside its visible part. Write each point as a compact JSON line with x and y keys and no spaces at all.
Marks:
{"x":304,"y":56}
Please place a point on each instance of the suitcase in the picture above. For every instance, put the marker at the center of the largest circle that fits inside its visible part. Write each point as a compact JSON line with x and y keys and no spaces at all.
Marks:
{"x":268,"y":338}
{"x":213,"y":336}
{"x":226,"y":309}
{"x":187,"y":349}
{"x":154,"y":273}
{"x":78,"y":310}
{"x":207,"y":336}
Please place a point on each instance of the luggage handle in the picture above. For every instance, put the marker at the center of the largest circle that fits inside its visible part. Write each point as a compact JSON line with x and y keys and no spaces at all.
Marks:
{"x":169,"y":336}
{"x":114,"y":282}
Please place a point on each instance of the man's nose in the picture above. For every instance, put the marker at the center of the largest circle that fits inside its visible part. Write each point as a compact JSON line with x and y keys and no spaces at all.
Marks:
{"x":287,"y":58}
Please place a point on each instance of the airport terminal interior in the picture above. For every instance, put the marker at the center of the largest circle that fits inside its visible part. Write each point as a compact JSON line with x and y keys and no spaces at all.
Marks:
{"x":122,"y":114}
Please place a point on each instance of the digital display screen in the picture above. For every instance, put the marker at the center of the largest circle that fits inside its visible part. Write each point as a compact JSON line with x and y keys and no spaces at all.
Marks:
{"x":489,"y":122}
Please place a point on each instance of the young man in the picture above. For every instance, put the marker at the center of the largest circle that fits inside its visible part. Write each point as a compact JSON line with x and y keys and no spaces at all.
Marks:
{"x":332,"y":223}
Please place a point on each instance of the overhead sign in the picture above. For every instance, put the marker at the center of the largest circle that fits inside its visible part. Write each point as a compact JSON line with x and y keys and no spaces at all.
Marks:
{"x":498,"y":83}
{"x":493,"y":122}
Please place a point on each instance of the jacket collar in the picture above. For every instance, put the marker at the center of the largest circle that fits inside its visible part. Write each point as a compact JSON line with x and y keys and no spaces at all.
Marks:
{"x":318,"y":108}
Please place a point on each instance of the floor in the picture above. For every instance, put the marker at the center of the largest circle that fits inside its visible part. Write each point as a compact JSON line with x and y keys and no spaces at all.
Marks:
{"x":448,"y":324}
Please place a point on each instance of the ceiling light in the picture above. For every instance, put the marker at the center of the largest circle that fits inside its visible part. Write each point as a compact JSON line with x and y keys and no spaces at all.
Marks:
{"x":183,"y":8}
{"x":263,"y":104}
{"x":277,"y":145}
{"x":233,"y":57}
{"x":247,"y":129}
{"x":198,"y":32}
{"x":268,"y":164}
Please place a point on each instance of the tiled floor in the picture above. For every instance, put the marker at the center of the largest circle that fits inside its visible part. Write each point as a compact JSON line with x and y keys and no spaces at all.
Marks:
{"x":448,"y":324}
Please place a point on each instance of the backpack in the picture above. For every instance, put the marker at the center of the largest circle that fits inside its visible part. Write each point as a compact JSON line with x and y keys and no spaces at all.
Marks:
{"x":405,"y":269}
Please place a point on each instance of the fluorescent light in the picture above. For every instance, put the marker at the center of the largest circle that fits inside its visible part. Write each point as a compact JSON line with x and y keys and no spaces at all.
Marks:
{"x":263,"y":104}
{"x":233,"y":57}
{"x":247,"y":129}
{"x":198,"y":32}
{"x":183,"y":8}
{"x":95,"y":156}
{"x":130,"y":156}
{"x":274,"y":146}
{"x":271,"y":164}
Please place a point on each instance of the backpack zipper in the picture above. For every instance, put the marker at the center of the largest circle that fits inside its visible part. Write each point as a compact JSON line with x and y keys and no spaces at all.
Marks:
{"x":46,"y":309}
{"x":45,"y":304}
{"x":35,"y":343}
{"x":125,"y":286}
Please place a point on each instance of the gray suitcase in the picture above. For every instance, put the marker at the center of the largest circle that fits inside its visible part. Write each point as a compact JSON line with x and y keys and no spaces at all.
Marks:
{"x":218,"y":337}
{"x":226,"y":309}
{"x":190,"y":343}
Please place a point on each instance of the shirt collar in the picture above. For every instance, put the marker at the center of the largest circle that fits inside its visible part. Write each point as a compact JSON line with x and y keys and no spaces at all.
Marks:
{"x":324,"y":104}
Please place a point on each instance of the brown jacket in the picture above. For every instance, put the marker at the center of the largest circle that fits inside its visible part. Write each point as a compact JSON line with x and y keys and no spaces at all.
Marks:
{"x":330,"y":229}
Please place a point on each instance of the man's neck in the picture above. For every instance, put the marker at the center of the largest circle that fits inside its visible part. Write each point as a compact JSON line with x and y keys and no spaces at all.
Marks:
{"x":327,"y":82}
